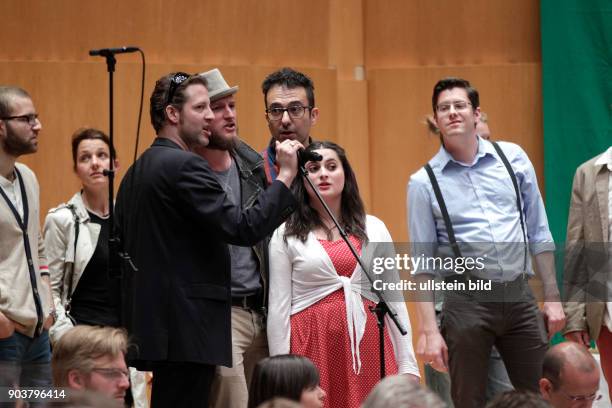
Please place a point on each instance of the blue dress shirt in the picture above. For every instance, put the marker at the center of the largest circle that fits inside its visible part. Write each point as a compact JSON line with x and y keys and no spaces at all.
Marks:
{"x":481,"y":203}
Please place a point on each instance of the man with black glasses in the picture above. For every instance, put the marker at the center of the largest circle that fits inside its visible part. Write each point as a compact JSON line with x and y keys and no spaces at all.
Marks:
{"x":480,"y":200}
{"x":26,"y":307}
{"x":175,"y":221}
{"x":290,"y":112}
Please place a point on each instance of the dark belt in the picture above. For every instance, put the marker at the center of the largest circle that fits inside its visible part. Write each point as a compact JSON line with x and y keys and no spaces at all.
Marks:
{"x":253,"y":302}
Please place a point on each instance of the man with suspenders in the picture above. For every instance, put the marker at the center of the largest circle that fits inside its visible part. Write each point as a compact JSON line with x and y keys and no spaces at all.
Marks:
{"x":480,"y":200}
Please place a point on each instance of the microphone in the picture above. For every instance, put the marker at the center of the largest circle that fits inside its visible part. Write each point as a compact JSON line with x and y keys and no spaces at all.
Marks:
{"x":109,"y":51}
{"x":306,"y":156}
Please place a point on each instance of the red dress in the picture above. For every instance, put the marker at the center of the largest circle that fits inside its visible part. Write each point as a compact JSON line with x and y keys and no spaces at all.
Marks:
{"x":320,"y":332}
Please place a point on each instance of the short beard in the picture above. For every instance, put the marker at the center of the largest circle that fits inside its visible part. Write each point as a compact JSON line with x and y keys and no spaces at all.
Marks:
{"x":218,"y":142}
{"x":14,"y":146}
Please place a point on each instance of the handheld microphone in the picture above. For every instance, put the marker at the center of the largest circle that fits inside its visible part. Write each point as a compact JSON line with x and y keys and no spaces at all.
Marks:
{"x":306,"y":156}
{"x":109,"y":51}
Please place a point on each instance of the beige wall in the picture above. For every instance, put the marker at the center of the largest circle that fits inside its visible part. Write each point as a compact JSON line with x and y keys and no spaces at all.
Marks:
{"x":374,"y":64}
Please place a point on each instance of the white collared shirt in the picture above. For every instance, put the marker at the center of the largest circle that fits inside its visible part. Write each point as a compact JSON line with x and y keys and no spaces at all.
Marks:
{"x":13,"y":192}
{"x":606,"y":159}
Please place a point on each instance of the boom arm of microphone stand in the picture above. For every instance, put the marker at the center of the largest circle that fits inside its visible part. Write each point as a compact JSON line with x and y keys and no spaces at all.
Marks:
{"x":382,"y":302}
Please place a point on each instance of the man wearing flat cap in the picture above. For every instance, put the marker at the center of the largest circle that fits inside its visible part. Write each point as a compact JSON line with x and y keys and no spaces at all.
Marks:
{"x":240,"y":171}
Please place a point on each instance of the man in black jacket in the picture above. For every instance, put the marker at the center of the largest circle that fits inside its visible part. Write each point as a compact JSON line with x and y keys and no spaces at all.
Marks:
{"x":175,"y":221}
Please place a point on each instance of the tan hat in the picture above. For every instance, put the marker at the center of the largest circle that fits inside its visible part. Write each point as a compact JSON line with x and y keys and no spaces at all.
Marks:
{"x":217,"y":87}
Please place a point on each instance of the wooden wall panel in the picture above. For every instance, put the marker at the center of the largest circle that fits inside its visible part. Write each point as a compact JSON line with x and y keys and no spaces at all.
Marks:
{"x":229,"y":32}
{"x":401,"y":33}
{"x":400,"y":144}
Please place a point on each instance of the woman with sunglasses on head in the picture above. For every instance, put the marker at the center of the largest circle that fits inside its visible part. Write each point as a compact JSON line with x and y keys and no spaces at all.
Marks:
{"x":319,"y":297}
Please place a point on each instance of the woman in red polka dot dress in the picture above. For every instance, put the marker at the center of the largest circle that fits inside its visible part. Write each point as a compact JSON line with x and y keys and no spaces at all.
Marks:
{"x":319,"y":299}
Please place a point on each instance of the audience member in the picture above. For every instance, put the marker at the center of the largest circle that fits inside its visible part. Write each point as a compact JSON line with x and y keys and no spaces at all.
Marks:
{"x":518,"y":399}
{"x":26,"y":305}
{"x":92,"y":358}
{"x":395,"y":392}
{"x":570,"y":376}
{"x":289,"y":376}
{"x":280,"y":403}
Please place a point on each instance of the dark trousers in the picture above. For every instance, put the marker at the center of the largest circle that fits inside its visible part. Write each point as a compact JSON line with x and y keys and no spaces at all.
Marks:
{"x":181,"y":385}
{"x":473,"y":321}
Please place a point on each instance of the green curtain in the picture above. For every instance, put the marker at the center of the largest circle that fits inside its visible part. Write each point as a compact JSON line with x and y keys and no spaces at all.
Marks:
{"x":577,"y":95}
{"x":577,"y":98}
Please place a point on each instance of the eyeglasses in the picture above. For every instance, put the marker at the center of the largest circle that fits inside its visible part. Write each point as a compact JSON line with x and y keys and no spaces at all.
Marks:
{"x":113,"y":374}
{"x":176,"y":80}
{"x":459,"y":106}
{"x":582,"y":398}
{"x":294,"y":111}
{"x":30,"y":119}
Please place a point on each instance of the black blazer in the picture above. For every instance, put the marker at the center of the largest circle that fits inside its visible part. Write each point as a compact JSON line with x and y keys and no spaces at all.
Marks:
{"x":174,"y":220}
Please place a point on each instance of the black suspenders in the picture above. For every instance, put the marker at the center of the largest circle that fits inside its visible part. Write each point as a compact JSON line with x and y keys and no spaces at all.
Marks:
{"x":447,"y":221}
{"x":23,"y":224}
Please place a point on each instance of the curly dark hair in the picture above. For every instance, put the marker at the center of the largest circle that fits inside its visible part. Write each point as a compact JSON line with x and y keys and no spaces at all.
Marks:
{"x":352,"y":211}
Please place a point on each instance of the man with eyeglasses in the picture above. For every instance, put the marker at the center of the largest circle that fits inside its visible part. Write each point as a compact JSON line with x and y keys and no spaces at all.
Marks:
{"x":570,"y":376}
{"x":290,"y":112}
{"x":175,"y":220}
{"x":92,"y":358}
{"x":26,"y":307}
{"x":241,"y":174}
{"x":480,"y":200}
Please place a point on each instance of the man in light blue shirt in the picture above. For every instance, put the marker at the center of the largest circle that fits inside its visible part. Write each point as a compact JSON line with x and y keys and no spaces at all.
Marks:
{"x":482,"y":197}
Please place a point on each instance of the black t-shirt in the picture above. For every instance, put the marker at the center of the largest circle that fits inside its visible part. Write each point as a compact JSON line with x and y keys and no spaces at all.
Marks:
{"x":95,"y":300}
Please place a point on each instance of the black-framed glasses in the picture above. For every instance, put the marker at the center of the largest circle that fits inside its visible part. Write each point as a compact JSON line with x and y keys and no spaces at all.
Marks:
{"x":176,"y":80}
{"x":459,"y":106}
{"x":294,"y":111}
{"x":114,"y":374}
{"x":30,"y":118}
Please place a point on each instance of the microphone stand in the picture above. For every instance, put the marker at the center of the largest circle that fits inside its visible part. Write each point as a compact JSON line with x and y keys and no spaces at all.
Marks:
{"x":382,"y":308}
{"x":113,"y":240}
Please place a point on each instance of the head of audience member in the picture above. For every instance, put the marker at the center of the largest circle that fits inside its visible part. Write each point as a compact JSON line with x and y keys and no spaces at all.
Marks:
{"x":288,"y":376}
{"x":290,"y":105}
{"x":91,"y":156}
{"x":180,"y":109}
{"x":280,"y":403}
{"x":92,"y":358}
{"x":19,"y":123}
{"x":86,"y":399}
{"x":456,"y":109}
{"x":570,"y":376}
{"x":482,"y":127}
{"x":397,"y":391}
{"x":224,"y":129}
{"x":336,"y":181}
{"x":518,"y":399}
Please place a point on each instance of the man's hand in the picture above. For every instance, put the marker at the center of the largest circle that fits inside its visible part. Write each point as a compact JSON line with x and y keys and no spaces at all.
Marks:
{"x":431,"y":348}
{"x":286,"y":157}
{"x":580,"y":337}
{"x":554,"y":317}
